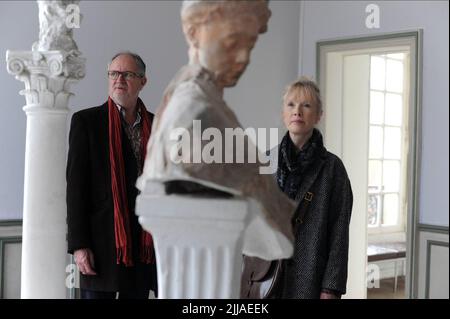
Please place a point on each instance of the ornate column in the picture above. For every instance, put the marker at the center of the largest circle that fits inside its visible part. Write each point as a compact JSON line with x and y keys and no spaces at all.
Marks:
{"x":47,"y":72}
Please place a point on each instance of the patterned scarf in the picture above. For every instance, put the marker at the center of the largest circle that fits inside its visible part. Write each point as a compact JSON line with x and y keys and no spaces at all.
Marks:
{"x":292,"y":164}
{"x":118,"y":187}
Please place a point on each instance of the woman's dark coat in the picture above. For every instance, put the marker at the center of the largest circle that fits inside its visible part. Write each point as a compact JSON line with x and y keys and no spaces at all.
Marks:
{"x":320,"y":254}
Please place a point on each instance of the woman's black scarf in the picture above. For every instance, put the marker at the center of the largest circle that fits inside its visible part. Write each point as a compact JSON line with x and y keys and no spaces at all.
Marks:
{"x":292,"y":163}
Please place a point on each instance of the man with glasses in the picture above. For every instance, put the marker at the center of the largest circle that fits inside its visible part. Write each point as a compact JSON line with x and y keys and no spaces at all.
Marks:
{"x":107,"y":146}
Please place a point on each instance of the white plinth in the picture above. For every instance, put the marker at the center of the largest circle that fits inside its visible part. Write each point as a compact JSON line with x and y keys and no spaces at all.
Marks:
{"x":198,"y":244}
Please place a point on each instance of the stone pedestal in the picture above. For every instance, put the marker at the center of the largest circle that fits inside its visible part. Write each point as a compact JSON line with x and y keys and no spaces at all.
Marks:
{"x":47,"y":76}
{"x":198,"y":243}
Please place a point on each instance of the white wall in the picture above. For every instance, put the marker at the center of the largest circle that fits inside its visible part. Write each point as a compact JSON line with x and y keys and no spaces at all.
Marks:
{"x":12,"y":119}
{"x":152,"y":29}
{"x":327,"y":20}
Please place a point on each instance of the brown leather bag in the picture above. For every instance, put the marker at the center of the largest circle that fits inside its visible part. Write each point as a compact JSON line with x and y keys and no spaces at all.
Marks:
{"x":262,"y":279}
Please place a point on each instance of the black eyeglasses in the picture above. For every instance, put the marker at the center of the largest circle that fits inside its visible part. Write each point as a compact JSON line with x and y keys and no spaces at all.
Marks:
{"x":127,"y":75}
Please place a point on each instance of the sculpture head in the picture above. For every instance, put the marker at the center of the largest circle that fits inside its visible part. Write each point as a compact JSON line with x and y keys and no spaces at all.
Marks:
{"x":221,"y":35}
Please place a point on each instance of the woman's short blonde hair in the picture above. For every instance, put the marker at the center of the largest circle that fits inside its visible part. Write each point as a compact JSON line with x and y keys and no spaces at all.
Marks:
{"x":305,"y":83}
{"x":198,"y":12}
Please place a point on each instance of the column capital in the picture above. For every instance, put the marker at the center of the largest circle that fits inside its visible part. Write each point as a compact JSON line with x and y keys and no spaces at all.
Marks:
{"x":54,"y":61}
{"x":46,"y":75}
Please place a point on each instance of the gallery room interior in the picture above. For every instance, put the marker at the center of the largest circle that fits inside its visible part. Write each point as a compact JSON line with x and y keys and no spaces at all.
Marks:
{"x":383,"y":73}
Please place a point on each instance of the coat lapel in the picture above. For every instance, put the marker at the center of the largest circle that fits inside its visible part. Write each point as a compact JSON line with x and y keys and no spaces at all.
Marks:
{"x":103,"y":140}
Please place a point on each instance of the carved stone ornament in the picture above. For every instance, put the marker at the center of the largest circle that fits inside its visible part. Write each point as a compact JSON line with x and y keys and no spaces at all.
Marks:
{"x":54,"y":62}
{"x":47,"y":75}
{"x":55,"y":33}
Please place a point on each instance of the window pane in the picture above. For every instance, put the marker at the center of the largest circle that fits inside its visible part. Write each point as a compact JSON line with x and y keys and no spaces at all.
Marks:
{"x":376,"y":107}
{"x":394,"y":76}
{"x":377,"y":73}
{"x":373,"y":208}
{"x":398,"y":56}
{"x":391,"y":176}
{"x":376,"y":142}
{"x":392,"y":142}
{"x":390,"y":209}
{"x":393,"y":112}
{"x":374,"y":176}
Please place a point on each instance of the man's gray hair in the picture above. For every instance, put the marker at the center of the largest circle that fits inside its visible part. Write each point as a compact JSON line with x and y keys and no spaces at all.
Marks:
{"x":139,"y":62}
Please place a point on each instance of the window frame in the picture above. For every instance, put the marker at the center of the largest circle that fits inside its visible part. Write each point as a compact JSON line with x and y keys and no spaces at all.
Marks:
{"x":400,"y":226}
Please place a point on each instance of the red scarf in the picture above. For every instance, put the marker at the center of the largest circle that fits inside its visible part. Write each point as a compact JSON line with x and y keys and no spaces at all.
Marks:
{"x":118,"y":186}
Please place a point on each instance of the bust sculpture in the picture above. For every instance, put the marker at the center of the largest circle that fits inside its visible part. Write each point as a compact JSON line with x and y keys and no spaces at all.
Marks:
{"x":193,"y":115}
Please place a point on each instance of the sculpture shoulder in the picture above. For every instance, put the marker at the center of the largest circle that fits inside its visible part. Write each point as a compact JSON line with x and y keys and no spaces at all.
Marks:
{"x":197,"y":83}
{"x":196,"y":91}
{"x":188,"y":92}
{"x":194,"y":100}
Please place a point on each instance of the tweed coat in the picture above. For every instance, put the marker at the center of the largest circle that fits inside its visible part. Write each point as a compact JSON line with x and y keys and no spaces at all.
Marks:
{"x":321,"y":243}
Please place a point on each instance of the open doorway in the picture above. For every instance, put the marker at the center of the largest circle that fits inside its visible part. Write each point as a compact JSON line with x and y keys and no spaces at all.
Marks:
{"x":371,"y":120}
{"x":387,"y":171}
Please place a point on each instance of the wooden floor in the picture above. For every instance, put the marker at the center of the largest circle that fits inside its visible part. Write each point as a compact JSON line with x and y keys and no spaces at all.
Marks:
{"x":386,"y":290}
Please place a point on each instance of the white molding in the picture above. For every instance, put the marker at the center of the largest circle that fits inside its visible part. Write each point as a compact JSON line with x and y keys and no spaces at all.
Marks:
{"x":428,"y":268}
{"x":10,"y":234}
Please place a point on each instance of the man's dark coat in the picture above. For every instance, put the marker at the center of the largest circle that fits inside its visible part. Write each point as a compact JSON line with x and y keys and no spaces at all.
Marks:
{"x":90,"y":210}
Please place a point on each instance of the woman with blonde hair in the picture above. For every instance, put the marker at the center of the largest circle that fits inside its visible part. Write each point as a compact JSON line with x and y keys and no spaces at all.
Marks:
{"x":317,"y":180}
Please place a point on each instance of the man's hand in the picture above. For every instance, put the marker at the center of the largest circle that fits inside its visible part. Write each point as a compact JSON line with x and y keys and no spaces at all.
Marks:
{"x":84,"y":258}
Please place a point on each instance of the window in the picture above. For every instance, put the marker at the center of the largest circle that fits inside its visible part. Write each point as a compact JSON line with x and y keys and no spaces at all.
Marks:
{"x":386,"y":136}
